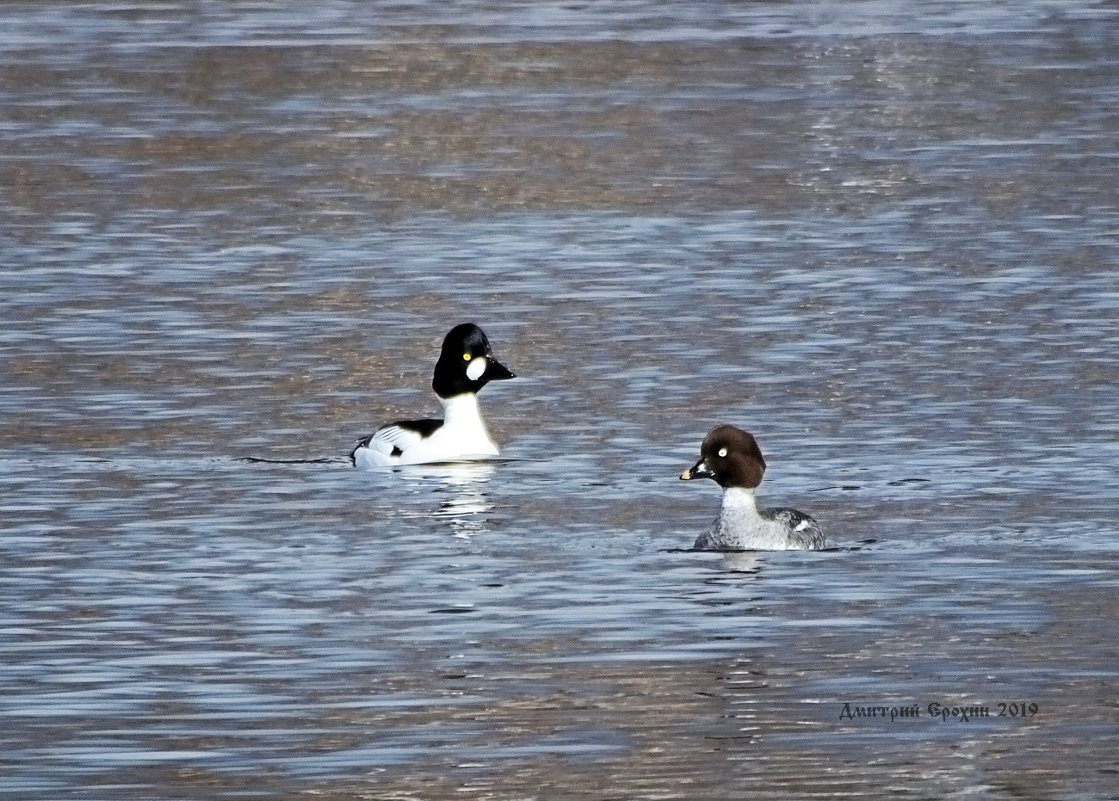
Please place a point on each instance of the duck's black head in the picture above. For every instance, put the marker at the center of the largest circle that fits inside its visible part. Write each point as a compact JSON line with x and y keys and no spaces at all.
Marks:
{"x":466,"y":363}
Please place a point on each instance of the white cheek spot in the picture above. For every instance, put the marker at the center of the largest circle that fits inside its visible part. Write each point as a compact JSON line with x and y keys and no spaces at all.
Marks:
{"x":475,"y":368}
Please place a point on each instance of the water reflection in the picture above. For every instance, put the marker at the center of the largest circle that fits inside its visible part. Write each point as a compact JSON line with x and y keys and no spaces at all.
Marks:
{"x":461,"y":490}
{"x":743,"y":561}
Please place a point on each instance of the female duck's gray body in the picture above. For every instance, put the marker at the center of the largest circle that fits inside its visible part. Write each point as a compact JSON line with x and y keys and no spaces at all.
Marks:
{"x":732,"y":457}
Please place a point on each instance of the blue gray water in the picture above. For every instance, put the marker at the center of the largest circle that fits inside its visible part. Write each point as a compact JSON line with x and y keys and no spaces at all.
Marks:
{"x":880,"y":235}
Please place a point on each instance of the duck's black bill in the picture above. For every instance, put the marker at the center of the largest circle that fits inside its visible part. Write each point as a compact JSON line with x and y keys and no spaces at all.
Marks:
{"x":698,"y":470}
{"x":496,"y":371}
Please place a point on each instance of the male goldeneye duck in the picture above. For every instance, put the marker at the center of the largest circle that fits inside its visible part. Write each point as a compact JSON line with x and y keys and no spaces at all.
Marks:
{"x":466,"y":364}
{"x":732,"y":457}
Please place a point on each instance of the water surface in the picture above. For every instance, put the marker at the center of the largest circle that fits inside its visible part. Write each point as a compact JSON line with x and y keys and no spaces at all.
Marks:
{"x":880,"y":235}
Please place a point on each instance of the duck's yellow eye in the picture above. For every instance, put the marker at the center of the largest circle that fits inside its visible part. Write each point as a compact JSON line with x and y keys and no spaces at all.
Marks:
{"x":466,"y":357}
{"x":722,"y":451}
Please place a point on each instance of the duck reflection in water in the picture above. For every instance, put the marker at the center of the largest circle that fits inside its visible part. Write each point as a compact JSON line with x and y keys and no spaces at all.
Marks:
{"x":743,"y":561}
{"x":461,"y":489}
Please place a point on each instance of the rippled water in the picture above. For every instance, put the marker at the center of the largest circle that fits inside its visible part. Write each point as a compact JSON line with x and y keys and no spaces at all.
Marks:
{"x":881,"y":235}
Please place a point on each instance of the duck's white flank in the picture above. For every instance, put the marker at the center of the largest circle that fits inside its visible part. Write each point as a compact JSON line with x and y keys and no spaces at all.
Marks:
{"x":462,"y":436}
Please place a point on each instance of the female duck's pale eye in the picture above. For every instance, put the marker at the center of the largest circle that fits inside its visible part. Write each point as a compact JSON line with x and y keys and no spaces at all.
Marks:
{"x":722,"y":451}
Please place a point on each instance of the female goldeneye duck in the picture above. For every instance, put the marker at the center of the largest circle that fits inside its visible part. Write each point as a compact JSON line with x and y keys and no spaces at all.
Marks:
{"x":466,"y":364}
{"x":732,"y":457}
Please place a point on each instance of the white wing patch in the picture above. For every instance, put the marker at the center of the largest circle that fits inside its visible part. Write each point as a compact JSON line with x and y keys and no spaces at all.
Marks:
{"x":390,"y":438}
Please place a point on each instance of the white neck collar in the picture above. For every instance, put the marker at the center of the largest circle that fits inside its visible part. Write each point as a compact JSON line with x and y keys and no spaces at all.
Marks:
{"x":739,"y":498}
{"x":461,"y":409}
